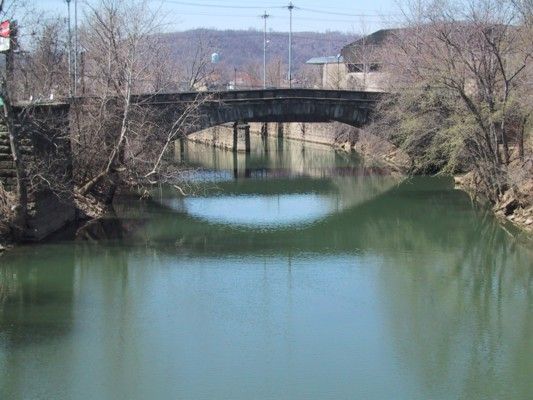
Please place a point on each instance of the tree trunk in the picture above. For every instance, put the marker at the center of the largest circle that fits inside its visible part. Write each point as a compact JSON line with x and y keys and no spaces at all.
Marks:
{"x":500,"y":132}
{"x":520,"y":139}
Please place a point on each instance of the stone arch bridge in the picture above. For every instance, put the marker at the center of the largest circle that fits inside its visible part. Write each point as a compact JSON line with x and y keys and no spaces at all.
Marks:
{"x":268,"y":105}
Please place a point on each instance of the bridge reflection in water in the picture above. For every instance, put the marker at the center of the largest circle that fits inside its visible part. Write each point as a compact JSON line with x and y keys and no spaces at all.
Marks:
{"x":306,"y":182}
{"x":404,"y":292}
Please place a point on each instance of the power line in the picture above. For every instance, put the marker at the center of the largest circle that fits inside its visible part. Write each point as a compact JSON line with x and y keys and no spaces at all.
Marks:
{"x":275,"y":17}
{"x":217,"y":5}
{"x":301,"y":36}
{"x":312,"y":10}
{"x":345,"y":14}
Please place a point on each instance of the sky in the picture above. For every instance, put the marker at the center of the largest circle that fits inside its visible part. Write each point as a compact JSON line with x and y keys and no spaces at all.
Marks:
{"x":353,"y":16}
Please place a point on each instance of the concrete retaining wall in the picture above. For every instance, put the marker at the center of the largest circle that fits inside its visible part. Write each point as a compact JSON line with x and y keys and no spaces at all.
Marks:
{"x":330,"y":133}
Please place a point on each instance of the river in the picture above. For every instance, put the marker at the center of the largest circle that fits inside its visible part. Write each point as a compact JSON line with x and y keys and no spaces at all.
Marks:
{"x":293,"y":273}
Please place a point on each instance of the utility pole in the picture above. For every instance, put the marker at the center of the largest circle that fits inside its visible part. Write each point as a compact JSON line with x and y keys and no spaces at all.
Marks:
{"x":75,"y":47}
{"x":69,"y":51}
{"x":290,"y":8}
{"x":265,"y":16}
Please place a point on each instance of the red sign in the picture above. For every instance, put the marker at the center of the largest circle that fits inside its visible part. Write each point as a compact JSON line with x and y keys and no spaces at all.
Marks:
{"x":5,"y":30}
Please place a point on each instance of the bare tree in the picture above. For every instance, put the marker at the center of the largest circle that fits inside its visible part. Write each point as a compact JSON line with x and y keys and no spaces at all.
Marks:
{"x":469,"y":64}
{"x":42,"y":69}
{"x":276,"y":73}
{"x":193,"y":71}
{"x":120,"y":46}
{"x":119,"y":133}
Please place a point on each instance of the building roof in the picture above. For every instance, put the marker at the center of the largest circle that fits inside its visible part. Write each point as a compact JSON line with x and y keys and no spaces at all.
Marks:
{"x":325,"y":60}
{"x":367,"y":44}
{"x":376,"y":38}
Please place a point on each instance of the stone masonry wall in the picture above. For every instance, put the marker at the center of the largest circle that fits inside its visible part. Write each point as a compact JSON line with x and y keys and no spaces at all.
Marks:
{"x":44,"y":147}
{"x":325,"y":133}
{"x":46,"y":151}
{"x":7,"y":169}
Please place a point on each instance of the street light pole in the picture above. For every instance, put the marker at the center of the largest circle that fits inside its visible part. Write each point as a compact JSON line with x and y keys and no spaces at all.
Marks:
{"x":338,"y":71}
{"x":265,"y":16}
{"x":69,"y":51}
{"x":290,"y":7}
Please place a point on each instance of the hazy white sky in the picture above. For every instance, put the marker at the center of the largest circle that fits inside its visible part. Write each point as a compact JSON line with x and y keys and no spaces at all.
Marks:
{"x":310,"y":15}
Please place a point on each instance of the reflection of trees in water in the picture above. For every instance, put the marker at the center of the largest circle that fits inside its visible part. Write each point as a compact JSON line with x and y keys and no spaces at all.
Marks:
{"x":9,"y":285}
{"x":36,"y":294}
{"x":451,"y":320}
{"x":53,"y":290}
{"x":359,"y":188}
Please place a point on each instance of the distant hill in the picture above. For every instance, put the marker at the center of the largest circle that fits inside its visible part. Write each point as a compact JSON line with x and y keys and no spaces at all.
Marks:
{"x":242,"y":48}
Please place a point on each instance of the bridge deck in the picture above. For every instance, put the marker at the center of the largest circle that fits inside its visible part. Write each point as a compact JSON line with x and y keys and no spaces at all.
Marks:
{"x":263,"y":94}
{"x":227,"y":96}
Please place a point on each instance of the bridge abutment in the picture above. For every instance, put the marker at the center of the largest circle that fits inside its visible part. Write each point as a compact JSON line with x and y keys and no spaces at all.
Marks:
{"x":42,"y":138}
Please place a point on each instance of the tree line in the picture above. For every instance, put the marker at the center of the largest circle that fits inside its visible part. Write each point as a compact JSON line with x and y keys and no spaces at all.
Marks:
{"x":115,"y":141}
{"x":462,"y":82}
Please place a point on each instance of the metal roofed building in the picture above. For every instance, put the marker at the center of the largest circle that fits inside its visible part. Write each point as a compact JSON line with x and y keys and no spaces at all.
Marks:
{"x":332,"y":70}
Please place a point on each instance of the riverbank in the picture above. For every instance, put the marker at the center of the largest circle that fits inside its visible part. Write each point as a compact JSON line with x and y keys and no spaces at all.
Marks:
{"x":516,"y":204}
{"x":5,"y":215}
{"x":5,"y":240}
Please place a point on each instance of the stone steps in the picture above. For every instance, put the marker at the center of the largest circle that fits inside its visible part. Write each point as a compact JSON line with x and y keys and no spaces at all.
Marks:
{"x":9,"y":183}
{"x":7,"y":164}
{"x":7,"y":167}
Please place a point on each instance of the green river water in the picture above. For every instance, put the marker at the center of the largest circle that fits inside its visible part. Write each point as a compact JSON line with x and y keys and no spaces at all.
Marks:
{"x":293,"y":273}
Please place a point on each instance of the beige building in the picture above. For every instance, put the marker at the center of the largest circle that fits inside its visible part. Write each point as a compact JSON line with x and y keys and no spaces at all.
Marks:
{"x":358,"y":66}
{"x":363,"y":61}
{"x":332,"y":70}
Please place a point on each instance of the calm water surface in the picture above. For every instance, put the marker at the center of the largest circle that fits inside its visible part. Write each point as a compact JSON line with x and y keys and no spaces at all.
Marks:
{"x":294,"y":273}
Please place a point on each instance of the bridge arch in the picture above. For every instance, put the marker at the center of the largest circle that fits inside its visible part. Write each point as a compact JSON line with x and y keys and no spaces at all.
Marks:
{"x":269,"y":105}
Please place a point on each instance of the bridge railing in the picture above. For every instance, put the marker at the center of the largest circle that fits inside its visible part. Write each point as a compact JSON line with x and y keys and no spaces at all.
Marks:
{"x":228,"y":96}
{"x":256,"y":94}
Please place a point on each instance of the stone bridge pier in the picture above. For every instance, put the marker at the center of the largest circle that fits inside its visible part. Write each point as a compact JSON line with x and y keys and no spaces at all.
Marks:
{"x":241,"y":137}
